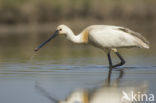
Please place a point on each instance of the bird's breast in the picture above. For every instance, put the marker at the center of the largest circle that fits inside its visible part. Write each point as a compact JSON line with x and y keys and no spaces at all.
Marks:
{"x":85,"y":35}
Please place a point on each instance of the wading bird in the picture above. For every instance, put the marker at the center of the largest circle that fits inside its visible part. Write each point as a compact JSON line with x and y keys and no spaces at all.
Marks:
{"x":105,"y":37}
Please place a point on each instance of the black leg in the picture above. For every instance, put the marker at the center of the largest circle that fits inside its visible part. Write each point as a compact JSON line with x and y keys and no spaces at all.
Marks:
{"x":122,"y":60}
{"x":109,"y":59}
{"x":109,"y":76}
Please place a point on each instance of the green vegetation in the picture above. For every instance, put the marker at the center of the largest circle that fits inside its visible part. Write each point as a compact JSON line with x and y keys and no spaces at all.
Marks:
{"x":45,"y":11}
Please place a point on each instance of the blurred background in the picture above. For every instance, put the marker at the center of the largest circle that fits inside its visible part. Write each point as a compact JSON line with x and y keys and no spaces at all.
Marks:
{"x":61,"y":66}
{"x":24,"y":24}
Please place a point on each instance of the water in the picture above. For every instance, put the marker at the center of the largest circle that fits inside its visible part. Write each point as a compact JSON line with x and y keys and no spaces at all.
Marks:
{"x":19,"y":77}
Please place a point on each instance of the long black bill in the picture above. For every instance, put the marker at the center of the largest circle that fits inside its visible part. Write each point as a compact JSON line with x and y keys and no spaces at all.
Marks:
{"x":41,"y":45}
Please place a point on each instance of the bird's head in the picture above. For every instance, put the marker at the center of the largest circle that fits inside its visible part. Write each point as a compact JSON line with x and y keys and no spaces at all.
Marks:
{"x":60,"y":30}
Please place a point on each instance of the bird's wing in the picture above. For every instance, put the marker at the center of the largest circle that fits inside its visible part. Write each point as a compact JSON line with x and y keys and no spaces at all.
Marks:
{"x":115,"y":36}
{"x":138,"y":35}
{"x":123,"y":29}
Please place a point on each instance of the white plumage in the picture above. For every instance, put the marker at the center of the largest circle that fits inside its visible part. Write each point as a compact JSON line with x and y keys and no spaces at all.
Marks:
{"x":105,"y":37}
{"x":115,"y":37}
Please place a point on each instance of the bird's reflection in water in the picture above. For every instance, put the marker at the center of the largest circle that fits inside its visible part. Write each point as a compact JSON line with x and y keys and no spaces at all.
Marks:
{"x":109,"y":92}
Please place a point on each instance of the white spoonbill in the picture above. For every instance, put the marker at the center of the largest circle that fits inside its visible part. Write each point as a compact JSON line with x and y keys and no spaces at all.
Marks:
{"x":106,"y":37}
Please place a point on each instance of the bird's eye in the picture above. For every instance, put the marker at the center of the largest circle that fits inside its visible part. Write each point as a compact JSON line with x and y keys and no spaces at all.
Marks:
{"x":60,"y":29}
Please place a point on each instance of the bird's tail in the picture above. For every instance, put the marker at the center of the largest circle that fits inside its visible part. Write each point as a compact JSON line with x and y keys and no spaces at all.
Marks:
{"x":144,"y":45}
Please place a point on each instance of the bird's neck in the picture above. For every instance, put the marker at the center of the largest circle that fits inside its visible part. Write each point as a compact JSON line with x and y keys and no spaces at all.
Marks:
{"x":74,"y":38}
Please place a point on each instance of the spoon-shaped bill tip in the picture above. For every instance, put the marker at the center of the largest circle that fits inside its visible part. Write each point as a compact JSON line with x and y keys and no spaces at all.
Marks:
{"x":36,"y":49}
